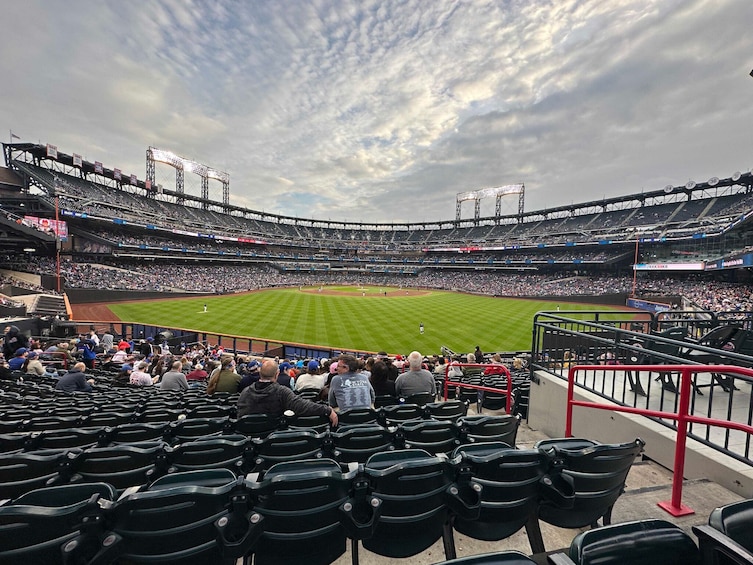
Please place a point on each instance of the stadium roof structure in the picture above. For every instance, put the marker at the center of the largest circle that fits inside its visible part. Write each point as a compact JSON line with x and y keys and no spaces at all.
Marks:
{"x":48,"y":157}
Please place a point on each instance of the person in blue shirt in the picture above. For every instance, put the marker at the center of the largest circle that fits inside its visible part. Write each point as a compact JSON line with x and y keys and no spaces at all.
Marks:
{"x":88,"y":355}
{"x":16,"y":362}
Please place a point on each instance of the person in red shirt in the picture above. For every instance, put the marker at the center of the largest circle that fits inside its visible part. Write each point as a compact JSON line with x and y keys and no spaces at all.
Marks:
{"x":197,"y":374}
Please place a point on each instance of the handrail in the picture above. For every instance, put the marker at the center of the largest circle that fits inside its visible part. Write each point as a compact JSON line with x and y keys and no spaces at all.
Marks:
{"x":673,"y":506}
{"x":504,"y":371}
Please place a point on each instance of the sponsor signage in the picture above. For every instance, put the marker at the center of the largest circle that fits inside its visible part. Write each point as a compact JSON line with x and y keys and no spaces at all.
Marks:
{"x":669,"y":266}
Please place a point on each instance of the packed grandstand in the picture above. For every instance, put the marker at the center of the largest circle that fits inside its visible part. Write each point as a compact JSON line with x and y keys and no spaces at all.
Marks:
{"x":114,"y":233}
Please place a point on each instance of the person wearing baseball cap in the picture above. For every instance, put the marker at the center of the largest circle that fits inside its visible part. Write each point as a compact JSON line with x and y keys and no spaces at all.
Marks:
{"x":33,"y":366}
{"x":16,"y":362}
{"x":312,"y":379}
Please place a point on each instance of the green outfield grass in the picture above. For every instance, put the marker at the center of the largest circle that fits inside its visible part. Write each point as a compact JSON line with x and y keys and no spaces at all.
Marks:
{"x":354,"y":321}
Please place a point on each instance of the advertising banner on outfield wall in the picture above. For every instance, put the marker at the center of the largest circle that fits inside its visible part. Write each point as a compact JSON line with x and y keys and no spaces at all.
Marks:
{"x":647,"y":305}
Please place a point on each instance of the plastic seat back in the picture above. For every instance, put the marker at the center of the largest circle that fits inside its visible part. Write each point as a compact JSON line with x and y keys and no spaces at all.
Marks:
{"x":23,"y":472}
{"x":305,"y":507}
{"x":434,"y":436}
{"x":256,"y":425}
{"x":35,"y":527}
{"x":645,"y":542}
{"x":511,"y":487}
{"x":316,"y":422}
{"x":285,"y":445}
{"x":382,"y":400}
{"x":502,"y":428}
{"x":735,"y":521}
{"x":450,"y":410}
{"x":172,"y":524}
{"x":191,"y":429}
{"x":134,"y":433}
{"x":358,"y":443}
{"x":598,"y":473}
{"x":420,"y":398}
{"x":217,"y":452}
{"x":358,"y":416}
{"x":122,"y":466}
{"x":418,"y":492}
{"x":64,"y":439}
{"x":398,"y":413}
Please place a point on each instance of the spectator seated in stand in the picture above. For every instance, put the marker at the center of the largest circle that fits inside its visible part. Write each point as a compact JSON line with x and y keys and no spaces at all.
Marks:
{"x":268,"y":397}
{"x":416,"y":380}
{"x":74,"y":380}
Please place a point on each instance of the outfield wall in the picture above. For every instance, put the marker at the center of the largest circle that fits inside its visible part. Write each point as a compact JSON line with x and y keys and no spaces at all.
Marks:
{"x":92,"y":296}
{"x":615,"y":299}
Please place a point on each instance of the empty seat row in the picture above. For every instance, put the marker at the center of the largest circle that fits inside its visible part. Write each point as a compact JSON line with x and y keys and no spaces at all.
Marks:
{"x":397,"y":504}
{"x":16,"y":417}
{"x":136,"y":454}
{"x":433,"y":435}
{"x":79,"y":430}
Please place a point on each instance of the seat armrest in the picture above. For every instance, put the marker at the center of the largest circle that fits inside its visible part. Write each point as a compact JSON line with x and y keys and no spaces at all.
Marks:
{"x":711,"y":541}
{"x":559,"y":559}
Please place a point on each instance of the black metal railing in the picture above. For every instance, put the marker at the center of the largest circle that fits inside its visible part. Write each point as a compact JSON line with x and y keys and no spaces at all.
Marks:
{"x":560,"y":341}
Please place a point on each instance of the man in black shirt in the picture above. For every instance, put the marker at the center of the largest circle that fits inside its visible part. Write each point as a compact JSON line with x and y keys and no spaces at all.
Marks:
{"x":266,"y":396}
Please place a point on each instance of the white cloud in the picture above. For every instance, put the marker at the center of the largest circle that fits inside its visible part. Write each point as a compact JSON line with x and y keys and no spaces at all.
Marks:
{"x":387,"y":109}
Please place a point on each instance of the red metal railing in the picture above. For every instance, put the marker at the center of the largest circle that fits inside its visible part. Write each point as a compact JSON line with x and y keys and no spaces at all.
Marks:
{"x":673,"y":506}
{"x":502,"y":370}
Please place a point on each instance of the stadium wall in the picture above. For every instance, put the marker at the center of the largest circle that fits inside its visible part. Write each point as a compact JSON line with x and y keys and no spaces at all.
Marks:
{"x":92,"y":296}
{"x":616,"y":299}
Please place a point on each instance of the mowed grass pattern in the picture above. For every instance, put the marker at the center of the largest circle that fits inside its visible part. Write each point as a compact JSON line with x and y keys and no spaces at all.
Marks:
{"x":372,"y":322}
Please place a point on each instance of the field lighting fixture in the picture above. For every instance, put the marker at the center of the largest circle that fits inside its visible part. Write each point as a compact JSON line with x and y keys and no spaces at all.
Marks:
{"x":182,"y":166}
{"x":170,"y":158}
{"x":496,"y":191}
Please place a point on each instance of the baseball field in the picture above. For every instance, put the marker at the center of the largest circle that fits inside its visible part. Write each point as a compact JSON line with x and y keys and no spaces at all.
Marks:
{"x":352,"y":317}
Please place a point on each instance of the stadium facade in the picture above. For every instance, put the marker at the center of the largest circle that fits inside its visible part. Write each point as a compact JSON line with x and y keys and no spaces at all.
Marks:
{"x":56,"y":201}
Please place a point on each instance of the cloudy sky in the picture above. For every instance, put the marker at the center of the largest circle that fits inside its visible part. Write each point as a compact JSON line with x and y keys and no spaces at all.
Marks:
{"x":384,"y":110}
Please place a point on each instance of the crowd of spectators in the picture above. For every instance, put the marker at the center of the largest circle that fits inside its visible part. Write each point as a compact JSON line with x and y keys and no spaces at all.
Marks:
{"x":710,"y":215}
{"x":702,"y":292}
{"x":705,"y":294}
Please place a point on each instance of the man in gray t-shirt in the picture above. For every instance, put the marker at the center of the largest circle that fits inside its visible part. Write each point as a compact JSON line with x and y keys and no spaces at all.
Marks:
{"x":349,"y":388}
{"x":416,"y":379}
{"x":174,"y":379}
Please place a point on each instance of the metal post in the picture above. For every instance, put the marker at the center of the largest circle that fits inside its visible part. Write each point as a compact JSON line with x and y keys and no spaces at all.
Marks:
{"x":675,"y":506}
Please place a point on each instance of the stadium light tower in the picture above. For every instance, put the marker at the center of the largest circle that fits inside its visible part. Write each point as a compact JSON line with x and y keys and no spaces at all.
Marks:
{"x":498,"y":192}
{"x":181,"y":165}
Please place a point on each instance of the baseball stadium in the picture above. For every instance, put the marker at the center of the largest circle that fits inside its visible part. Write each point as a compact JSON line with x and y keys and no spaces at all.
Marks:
{"x":589,"y":369}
